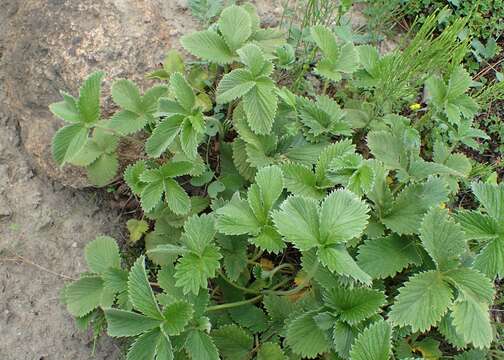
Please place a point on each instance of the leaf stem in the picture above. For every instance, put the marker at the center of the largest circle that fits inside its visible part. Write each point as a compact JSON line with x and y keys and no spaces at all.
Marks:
{"x":234,"y":304}
{"x":239,"y":287}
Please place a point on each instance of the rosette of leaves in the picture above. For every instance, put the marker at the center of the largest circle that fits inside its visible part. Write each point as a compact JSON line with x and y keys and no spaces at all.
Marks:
{"x":252,"y":216}
{"x":337,"y":59}
{"x":254,"y":86}
{"x":322,"y":119}
{"x":451,"y":287}
{"x":102,"y":285}
{"x":182,"y":118}
{"x":237,"y":26}
{"x":325,"y":227}
{"x":486,"y":227}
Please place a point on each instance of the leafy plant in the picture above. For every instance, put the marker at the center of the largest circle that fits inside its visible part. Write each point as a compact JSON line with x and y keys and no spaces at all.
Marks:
{"x":282,"y":225}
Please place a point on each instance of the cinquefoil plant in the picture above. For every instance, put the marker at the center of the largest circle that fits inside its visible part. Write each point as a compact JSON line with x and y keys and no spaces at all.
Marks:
{"x":290,"y":226}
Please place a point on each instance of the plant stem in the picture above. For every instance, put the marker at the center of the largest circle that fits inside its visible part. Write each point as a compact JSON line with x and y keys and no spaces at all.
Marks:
{"x":239,"y":287}
{"x":304,"y":284}
{"x":112,"y":131}
{"x":234,"y":304}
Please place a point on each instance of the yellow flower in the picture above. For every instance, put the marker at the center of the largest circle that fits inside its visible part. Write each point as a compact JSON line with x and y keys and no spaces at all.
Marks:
{"x":415,"y":106}
{"x":442,"y":206}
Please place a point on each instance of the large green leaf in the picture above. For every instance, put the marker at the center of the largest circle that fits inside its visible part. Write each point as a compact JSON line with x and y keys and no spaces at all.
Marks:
{"x":151,"y":345}
{"x":422,"y":301}
{"x":300,"y":180}
{"x":177,"y":315}
{"x":337,"y":259}
{"x":237,"y":218}
{"x":472,"y":322}
{"x":84,"y":295}
{"x":374,"y":343}
{"x":199,"y":232}
{"x":126,"y":94}
{"x":491,"y":197}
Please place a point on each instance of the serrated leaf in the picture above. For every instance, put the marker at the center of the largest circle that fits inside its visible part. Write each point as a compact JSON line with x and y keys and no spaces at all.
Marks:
{"x":151,"y":195}
{"x":270,"y":351}
{"x":250,"y":317}
{"x":490,"y":260}
{"x":472,"y":321}
{"x":89,"y":98}
{"x":269,"y":239}
{"x":260,"y":105}
{"x":459,"y":82}
{"x":115,"y":280}
{"x":233,"y":342}
{"x":208,"y":45}
{"x":84,"y":295}
{"x":102,"y":253}
{"x":374,"y":343}
{"x":270,"y":182}
{"x":127,"y":323}
{"x":491,"y":197}
{"x":140,"y":292}
{"x":301,"y":180}
{"x":177,"y":315}
{"x":325,"y":40}
{"x":199,"y":231}
{"x":477,"y":226}
{"x":237,"y":218}
{"x":151,"y":345}
{"x":126,"y":94}
{"x":132,"y":176}
{"x":337,"y":259}
{"x":163,"y":135}
{"x":176,"y":197}
{"x":298,"y":222}
{"x":103,"y":170}
{"x":305,"y":338}
{"x":385,"y":257}
{"x":126,"y":122}
{"x":235,"y":26}
{"x":200,"y":346}
{"x":136,"y":229}
{"x":473,"y":284}
{"x":183,"y":91}
{"x":441,"y":237}
{"x":150,"y":100}
{"x":233,"y":85}
{"x":354,"y":305}
{"x":343,"y":216}
{"x":67,"y":142}
{"x":422,"y":301}
{"x":66,"y":110}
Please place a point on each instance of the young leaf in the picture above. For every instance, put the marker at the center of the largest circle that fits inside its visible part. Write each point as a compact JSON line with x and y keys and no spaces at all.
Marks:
{"x":89,"y":98}
{"x":374,"y":343}
{"x":177,"y":315}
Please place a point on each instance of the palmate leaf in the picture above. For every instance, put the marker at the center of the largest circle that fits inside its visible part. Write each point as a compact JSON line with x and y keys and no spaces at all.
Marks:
{"x":385,"y":257}
{"x":305,"y":338}
{"x":442,"y":237}
{"x":374,"y":343}
{"x":140,"y":292}
{"x":151,"y":345}
{"x":102,"y":253}
{"x":201,"y":346}
{"x":354,"y":305}
{"x":233,"y":342}
{"x":208,"y":45}
{"x":422,"y":301}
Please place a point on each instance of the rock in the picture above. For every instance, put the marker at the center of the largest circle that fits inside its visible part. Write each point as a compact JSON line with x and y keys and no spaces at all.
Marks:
{"x":53,"y":45}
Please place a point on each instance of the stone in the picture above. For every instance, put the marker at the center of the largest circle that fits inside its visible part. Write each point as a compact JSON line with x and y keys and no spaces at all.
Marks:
{"x":53,"y":45}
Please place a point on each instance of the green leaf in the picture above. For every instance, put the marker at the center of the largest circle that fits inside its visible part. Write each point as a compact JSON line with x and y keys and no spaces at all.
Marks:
{"x":140,"y":292}
{"x":385,"y":257}
{"x":84,"y":295}
{"x":235,"y":26}
{"x":177,"y":315}
{"x":151,"y":195}
{"x":193,"y":271}
{"x":126,"y":323}
{"x":126,"y":94}
{"x":412,"y":203}
{"x":473,"y":284}
{"x":252,"y":56}
{"x":102,"y":253}
{"x":491,"y":197}
{"x":200,"y":346}
{"x":115,"y":279}
{"x":325,"y":40}
{"x":150,"y":100}
{"x":199,"y":232}
{"x":67,"y":142}
{"x":298,"y":221}
{"x":354,"y":305}
{"x":460,"y":81}
{"x":374,"y":343}
{"x":270,"y":351}
{"x":151,"y":345}
{"x":163,"y":135}
{"x":66,"y":110}
{"x":472,"y":321}
{"x":490,"y":260}
{"x":208,"y":45}
{"x":250,"y":317}
{"x":343,"y":216}
{"x":103,"y":170}
{"x":270,"y":182}
{"x":305,"y":338}
{"x":442,"y":237}
{"x":300,"y":180}
{"x":477,"y":226}
{"x":177,"y":199}
{"x":89,"y":98}
{"x":260,"y":105}
{"x":422,"y":301}
{"x":233,"y":85}
{"x":126,"y":122}
{"x":233,"y":342}
{"x":348,"y":60}
{"x":183,"y":91}
{"x":136,"y":229}
{"x":343,"y":336}
{"x":237,"y":218}
{"x":269,"y":239}
{"x":337,"y":259}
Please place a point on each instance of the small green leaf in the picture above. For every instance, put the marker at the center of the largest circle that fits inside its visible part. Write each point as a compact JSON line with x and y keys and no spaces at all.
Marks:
{"x":235,"y":26}
{"x":136,"y":229}
{"x":84,"y":295}
{"x":183,"y":91}
{"x":67,"y":143}
{"x":177,"y":315}
{"x":163,"y":135}
{"x":305,"y":338}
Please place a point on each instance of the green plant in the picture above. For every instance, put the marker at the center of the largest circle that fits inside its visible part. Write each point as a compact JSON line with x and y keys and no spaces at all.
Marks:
{"x":295,"y":226}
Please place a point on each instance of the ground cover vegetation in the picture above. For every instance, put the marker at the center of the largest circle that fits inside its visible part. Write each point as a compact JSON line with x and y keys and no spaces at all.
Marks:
{"x":296,"y":199}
